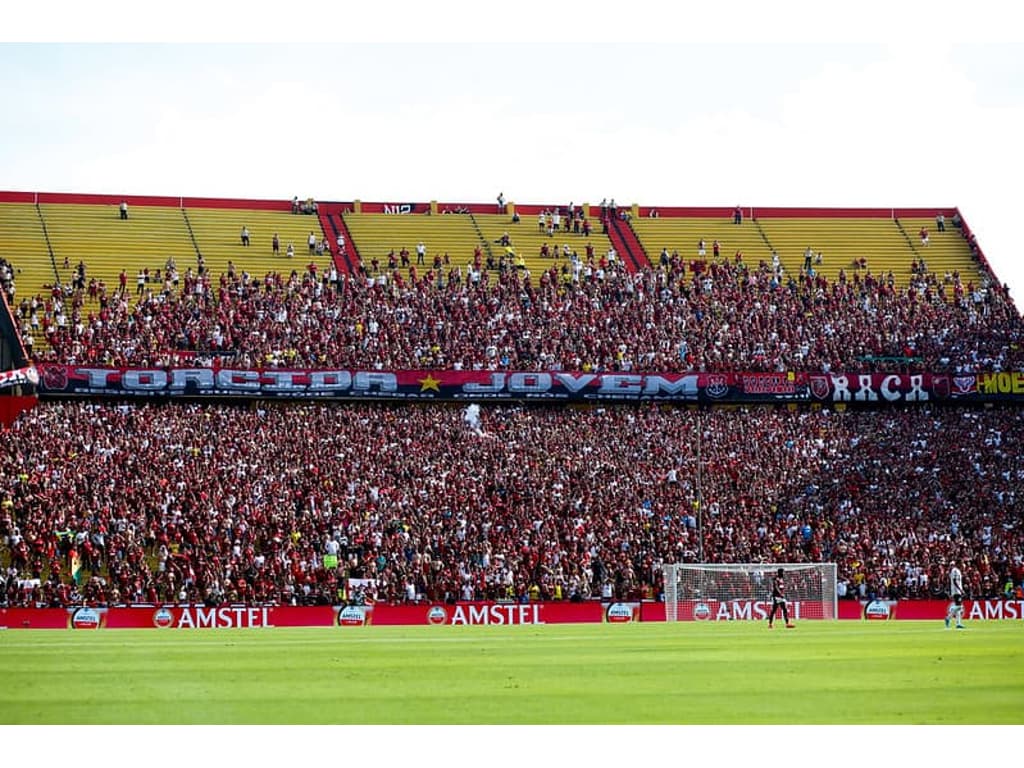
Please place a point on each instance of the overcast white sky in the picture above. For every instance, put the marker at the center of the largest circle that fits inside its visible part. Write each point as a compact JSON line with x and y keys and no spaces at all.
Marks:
{"x":876,"y":104}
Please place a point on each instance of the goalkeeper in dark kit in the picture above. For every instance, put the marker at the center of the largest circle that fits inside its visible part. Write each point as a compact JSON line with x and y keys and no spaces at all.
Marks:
{"x":779,"y":599}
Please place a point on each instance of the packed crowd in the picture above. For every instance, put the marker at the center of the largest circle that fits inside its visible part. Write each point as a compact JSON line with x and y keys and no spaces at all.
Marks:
{"x":586,"y":314}
{"x":110,"y":503}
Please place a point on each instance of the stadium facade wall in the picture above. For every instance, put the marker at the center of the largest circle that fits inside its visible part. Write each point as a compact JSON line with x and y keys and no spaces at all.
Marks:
{"x":420,"y":207}
{"x":73,"y":198}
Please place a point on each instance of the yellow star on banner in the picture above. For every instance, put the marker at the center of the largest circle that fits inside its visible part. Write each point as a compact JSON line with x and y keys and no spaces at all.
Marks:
{"x":430,"y":383}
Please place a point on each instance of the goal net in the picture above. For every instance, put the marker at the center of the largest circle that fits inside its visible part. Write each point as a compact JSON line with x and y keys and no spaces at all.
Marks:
{"x":737,"y":591}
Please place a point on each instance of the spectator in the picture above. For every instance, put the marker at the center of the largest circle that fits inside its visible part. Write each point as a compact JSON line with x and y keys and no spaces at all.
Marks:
{"x":770,"y":489}
{"x":939,"y":318}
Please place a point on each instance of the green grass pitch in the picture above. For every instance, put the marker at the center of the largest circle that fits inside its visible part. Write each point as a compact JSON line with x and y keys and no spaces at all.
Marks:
{"x":867,"y":673}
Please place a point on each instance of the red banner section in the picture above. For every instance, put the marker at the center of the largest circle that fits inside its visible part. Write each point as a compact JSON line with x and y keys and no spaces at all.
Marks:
{"x":851,"y":609}
{"x":974,"y":610}
{"x":504,"y":613}
{"x":554,"y":386}
{"x":169,"y":617}
{"x":918,"y":610}
{"x":254,"y":617}
{"x":478,"y":614}
{"x":735,"y":610}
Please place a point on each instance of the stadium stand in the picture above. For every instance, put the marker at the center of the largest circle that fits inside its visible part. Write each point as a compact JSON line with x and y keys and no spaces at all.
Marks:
{"x":721,"y":317}
{"x":383,"y":238}
{"x":74,"y":254}
{"x":214,"y":502}
{"x":579,"y":239}
{"x":217,"y":233}
{"x":948,"y":252}
{"x":236,"y":503}
{"x":24,"y":245}
{"x":26,"y":253}
{"x":682,"y":236}
{"x":842,"y":245}
{"x":96,"y":236}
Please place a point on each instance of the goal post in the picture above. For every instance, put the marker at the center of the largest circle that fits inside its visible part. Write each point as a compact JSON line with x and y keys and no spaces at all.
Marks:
{"x":738,"y":591}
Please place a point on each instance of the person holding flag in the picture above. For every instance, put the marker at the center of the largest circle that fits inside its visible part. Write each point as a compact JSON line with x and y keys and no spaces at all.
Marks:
{"x":76,"y":565}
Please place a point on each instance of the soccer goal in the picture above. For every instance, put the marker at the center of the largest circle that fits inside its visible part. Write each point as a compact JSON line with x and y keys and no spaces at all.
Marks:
{"x":731,"y":591}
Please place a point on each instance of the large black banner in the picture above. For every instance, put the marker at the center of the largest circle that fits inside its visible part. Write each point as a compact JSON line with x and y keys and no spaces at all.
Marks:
{"x":557,"y":386}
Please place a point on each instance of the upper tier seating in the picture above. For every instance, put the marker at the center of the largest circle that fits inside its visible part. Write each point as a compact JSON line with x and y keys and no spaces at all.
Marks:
{"x":218,"y":236}
{"x":946,"y":251}
{"x":682,"y":235}
{"x":926,"y":318}
{"x":527,"y":239}
{"x":378,"y":235}
{"x":23,"y":243}
{"x":841,"y":243}
{"x":107,"y":244}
